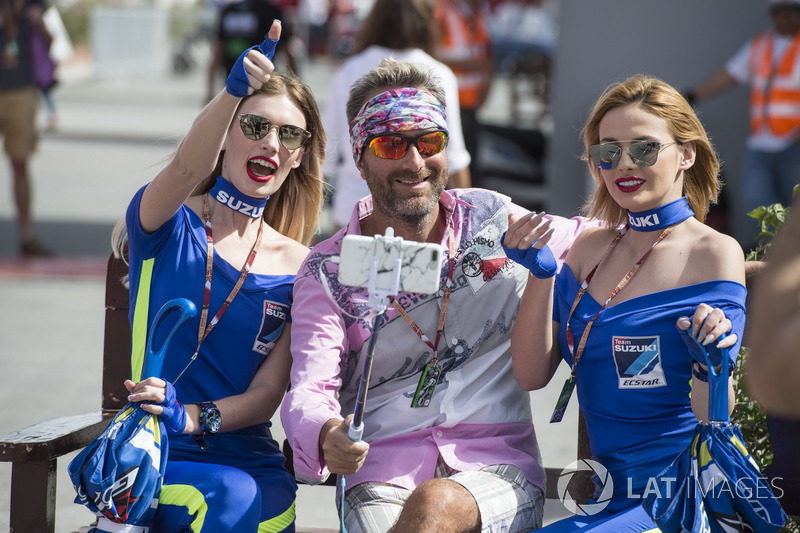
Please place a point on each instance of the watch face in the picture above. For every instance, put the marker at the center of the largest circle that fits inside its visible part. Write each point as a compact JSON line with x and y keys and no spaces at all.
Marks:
{"x":213,"y":419}
{"x":210,"y":418}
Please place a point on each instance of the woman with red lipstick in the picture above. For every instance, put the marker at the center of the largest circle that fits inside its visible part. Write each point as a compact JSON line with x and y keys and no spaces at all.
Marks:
{"x":626,"y":289}
{"x":226,"y":224}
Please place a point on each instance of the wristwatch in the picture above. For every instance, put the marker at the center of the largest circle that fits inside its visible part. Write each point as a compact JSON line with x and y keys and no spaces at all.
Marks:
{"x":210,"y":421}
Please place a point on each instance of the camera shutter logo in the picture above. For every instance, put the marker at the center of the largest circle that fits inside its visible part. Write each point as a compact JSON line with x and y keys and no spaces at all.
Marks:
{"x":602,"y":477}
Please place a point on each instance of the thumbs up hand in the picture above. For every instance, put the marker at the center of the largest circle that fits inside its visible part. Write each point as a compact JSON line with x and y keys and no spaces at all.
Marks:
{"x":253,"y":68}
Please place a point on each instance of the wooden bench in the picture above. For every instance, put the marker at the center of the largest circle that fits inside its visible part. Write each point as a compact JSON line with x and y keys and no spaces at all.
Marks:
{"x":34,"y":450}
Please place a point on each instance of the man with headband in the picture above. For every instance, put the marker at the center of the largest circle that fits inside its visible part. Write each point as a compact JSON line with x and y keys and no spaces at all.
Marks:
{"x":464,"y":457}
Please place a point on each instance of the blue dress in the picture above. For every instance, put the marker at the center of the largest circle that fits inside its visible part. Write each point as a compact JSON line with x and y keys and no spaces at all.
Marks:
{"x":634,"y":383}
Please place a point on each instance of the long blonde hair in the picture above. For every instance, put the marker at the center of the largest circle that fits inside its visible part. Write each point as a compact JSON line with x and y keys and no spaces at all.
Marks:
{"x":701,"y":182}
{"x":295,"y":208}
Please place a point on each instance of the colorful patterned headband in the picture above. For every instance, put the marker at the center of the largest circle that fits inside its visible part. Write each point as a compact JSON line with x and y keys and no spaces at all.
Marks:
{"x":396,"y":110}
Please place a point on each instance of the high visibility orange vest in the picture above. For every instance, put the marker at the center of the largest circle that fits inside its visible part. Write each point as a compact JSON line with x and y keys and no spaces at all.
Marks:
{"x":775,"y":93}
{"x":464,"y":38}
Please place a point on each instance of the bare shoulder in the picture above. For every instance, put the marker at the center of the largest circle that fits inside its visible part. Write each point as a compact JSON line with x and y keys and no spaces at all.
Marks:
{"x":718,"y":254}
{"x":296,"y":252}
{"x":588,"y":248}
{"x":594,"y":236}
{"x":281,"y":255}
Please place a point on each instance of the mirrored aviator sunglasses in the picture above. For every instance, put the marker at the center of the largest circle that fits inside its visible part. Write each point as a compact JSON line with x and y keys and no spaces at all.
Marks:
{"x":396,"y":146}
{"x":643,"y":153}
{"x":256,"y":128}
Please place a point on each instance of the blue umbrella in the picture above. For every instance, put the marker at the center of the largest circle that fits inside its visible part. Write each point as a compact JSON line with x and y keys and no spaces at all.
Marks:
{"x":118,"y":476}
{"x":714,"y":485}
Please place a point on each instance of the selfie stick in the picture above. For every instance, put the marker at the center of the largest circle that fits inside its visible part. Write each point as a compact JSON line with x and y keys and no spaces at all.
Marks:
{"x":378,"y":299}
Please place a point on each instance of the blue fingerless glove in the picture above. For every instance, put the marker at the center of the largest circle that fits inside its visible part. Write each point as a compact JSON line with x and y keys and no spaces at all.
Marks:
{"x":540,"y":261}
{"x":174,"y":415}
{"x":237,"y":83}
{"x":704,"y":355}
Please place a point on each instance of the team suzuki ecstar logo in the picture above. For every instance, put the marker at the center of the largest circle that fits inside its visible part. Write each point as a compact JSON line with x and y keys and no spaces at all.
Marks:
{"x":638,"y":362}
{"x":601,"y":476}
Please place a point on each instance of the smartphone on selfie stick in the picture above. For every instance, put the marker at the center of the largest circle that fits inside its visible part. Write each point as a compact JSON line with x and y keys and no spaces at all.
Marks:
{"x":385,"y":265}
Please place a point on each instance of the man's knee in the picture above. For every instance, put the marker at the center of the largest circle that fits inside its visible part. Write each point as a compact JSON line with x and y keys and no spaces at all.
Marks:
{"x":442,"y":492}
{"x":443,"y":501}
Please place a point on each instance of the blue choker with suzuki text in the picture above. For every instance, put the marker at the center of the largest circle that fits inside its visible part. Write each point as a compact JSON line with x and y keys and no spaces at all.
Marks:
{"x":661,"y":217}
{"x":224,"y":192}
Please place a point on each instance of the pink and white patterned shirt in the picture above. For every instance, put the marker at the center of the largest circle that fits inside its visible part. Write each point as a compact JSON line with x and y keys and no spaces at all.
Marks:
{"x":478,"y":415}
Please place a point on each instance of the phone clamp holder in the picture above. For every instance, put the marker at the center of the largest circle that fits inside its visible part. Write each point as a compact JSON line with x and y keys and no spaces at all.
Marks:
{"x":378,"y":300}
{"x":379,"y":296}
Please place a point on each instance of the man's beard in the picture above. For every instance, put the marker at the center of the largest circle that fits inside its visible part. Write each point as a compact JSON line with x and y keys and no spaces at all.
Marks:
{"x":413,"y":208}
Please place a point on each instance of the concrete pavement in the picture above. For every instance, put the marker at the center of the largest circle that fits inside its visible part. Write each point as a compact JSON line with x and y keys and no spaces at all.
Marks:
{"x":114,"y":136}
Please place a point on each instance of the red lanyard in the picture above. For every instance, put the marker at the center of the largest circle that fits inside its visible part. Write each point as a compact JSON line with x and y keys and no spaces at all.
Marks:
{"x":445,"y":300}
{"x":203,"y":331}
{"x":576,"y":355}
